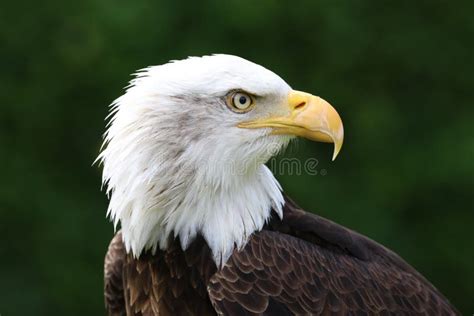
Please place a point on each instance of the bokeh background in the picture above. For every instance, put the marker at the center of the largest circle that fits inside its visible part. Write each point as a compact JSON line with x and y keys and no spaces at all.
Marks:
{"x":400,"y":74}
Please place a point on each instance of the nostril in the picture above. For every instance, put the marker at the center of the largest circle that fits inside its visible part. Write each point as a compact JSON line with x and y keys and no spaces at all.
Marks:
{"x":300,"y":105}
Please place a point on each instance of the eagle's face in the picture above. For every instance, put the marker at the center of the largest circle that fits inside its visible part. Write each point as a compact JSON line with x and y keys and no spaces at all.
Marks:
{"x":187,"y":143}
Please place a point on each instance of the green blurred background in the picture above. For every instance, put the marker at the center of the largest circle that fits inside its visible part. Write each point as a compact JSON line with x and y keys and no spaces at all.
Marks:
{"x":400,"y":74}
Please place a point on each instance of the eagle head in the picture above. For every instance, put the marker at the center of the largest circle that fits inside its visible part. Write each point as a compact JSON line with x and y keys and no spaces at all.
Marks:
{"x":185,"y":150}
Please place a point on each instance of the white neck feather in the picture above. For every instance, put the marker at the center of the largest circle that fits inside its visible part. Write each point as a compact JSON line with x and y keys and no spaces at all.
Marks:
{"x":152,"y":214}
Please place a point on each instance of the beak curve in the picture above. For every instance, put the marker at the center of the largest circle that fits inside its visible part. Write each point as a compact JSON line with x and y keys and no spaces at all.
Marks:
{"x":309,"y":116}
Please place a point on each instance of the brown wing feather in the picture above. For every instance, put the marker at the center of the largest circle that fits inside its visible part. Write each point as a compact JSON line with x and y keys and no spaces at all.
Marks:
{"x":113,"y":281}
{"x":309,"y":265}
{"x":169,"y":283}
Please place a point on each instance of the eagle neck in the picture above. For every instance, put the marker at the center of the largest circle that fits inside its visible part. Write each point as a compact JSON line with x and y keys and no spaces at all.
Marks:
{"x":224,"y":213}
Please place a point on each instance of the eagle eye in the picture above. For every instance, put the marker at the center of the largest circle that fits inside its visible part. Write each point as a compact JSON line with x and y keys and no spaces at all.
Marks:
{"x":239,"y":101}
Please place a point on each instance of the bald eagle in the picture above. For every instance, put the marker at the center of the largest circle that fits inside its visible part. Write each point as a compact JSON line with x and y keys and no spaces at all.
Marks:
{"x":205,"y":227}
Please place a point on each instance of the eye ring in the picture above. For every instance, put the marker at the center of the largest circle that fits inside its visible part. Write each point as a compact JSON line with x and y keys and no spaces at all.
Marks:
{"x":240,"y":101}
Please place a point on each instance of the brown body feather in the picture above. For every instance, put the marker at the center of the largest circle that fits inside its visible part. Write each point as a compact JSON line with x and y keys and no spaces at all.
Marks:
{"x":303,"y":264}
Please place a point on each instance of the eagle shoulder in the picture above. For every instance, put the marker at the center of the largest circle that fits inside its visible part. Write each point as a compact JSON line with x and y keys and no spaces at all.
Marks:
{"x":305,"y":264}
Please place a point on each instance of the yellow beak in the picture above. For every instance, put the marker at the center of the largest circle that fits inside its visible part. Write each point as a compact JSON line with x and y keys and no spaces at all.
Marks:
{"x":310,"y":117}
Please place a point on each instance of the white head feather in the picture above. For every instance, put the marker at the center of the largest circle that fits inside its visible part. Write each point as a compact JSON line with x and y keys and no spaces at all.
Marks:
{"x":175,"y":163}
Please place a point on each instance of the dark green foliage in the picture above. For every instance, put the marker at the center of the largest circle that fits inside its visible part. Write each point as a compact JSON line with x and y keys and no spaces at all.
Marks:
{"x":400,"y":74}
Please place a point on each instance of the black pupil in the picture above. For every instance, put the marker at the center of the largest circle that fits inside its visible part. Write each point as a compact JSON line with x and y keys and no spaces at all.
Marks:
{"x":242,"y":100}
